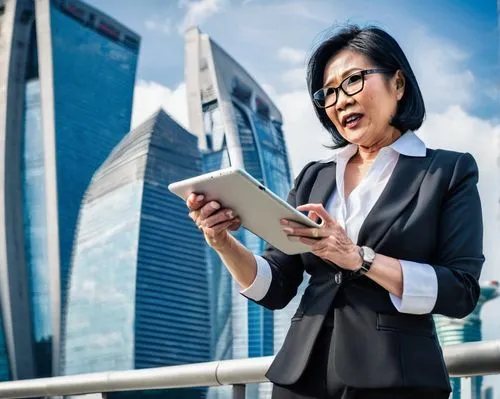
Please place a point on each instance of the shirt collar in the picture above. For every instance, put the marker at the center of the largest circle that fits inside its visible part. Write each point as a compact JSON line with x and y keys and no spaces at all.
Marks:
{"x":408,"y":144}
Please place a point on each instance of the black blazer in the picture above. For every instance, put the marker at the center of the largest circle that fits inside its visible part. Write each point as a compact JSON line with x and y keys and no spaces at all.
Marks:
{"x":429,"y":212}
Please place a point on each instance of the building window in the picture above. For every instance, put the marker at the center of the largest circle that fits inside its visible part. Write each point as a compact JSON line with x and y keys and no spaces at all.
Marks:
{"x":262,"y":108}
{"x":74,"y":11}
{"x":109,"y":31}
{"x":241,"y":91}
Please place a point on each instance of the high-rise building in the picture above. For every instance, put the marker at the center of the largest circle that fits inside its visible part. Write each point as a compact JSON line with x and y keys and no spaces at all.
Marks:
{"x":457,"y":331}
{"x":67,"y":74}
{"x":237,"y":125}
{"x":138,"y":286}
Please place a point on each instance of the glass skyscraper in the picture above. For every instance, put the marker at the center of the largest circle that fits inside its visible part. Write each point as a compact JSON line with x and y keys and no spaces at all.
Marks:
{"x":237,"y":125}
{"x":138,"y":287}
{"x":68,"y":71}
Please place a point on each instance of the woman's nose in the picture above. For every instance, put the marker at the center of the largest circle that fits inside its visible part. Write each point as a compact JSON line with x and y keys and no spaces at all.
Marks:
{"x":343,"y":100}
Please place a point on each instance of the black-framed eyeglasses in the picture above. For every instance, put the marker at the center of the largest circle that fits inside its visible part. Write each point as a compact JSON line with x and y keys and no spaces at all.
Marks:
{"x":327,"y":96}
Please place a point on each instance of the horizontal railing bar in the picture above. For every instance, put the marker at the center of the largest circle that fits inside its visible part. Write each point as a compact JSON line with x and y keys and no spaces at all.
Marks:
{"x":473,"y":358}
{"x":227,"y":372}
{"x":478,"y":358}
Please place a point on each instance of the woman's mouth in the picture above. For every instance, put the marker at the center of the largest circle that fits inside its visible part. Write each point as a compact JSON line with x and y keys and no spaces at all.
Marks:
{"x":352,"y":120}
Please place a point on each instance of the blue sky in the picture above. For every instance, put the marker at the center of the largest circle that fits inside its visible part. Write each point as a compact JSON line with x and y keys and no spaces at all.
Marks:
{"x":452,"y":46}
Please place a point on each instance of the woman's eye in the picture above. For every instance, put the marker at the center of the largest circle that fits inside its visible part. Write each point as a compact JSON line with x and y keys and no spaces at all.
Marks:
{"x":353,"y":79}
{"x":329,"y":91}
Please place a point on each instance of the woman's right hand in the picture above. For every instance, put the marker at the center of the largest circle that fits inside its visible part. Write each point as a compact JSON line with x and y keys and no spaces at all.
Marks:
{"x":212,"y":220}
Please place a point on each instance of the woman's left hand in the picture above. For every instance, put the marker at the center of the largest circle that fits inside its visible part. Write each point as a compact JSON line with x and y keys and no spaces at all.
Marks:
{"x":330,"y":242}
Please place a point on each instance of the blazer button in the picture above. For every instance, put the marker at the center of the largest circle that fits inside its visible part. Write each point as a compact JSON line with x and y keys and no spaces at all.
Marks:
{"x":338,"y":278}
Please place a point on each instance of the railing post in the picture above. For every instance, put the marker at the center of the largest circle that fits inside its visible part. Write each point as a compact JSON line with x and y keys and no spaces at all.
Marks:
{"x":239,"y":391}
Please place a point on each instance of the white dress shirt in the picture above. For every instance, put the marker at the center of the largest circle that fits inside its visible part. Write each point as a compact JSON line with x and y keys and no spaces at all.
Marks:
{"x":420,"y":286}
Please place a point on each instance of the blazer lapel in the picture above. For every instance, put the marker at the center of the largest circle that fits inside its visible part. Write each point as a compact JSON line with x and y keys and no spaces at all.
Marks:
{"x":324,"y":185}
{"x":320,"y":193}
{"x":397,"y":194}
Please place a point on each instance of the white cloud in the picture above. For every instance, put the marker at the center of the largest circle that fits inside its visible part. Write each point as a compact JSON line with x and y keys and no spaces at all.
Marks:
{"x":149,"y":96}
{"x":292,"y":55}
{"x":304,"y":10}
{"x":295,"y":78}
{"x":162,"y":27}
{"x":439,"y":66}
{"x":198,"y":12}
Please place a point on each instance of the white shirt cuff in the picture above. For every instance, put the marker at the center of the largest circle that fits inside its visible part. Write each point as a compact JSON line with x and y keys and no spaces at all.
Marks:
{"x":262,"y":282}
{"x":420,"y":288}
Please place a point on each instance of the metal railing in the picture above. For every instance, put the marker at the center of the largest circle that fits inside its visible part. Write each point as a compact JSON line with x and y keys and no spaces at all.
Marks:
{"x":464,"y":360}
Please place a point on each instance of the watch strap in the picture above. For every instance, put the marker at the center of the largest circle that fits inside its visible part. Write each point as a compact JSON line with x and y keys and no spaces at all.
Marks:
{"x":365,"y":263}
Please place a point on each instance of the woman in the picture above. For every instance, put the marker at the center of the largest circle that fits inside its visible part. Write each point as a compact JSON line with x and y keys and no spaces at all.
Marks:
{"x":401,"y":239}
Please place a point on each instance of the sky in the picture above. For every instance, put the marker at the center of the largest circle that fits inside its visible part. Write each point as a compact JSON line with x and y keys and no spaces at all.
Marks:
{"x":452,"y":46}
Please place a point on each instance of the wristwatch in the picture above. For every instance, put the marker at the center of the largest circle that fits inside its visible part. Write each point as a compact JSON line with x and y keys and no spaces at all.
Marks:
{"x":367,"y":256}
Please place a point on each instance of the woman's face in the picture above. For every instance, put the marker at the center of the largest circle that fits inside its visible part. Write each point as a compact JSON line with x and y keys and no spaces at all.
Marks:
{"x":371,"y":109}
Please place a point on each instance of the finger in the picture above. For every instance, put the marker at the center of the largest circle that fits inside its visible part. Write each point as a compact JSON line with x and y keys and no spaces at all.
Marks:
{"x":214,"y":230}
{"x":314,"y":217}
{"x":304,"y":240}
{"x":194,"y":215}
{"x":318,"y":209}
{"x":195,"y":201}
{"x":306,"y":232}
{"x":218,"y":217}
{"x":209,"y":208}
{"x":235,"y":225}
{"x":291,"y":223}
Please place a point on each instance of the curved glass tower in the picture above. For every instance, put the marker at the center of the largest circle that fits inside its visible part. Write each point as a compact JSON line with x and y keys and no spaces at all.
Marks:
{"x":237,"y":125}
{"x":458,"y":331}
{"x":138,"y":284}
{"x":68,"y":71}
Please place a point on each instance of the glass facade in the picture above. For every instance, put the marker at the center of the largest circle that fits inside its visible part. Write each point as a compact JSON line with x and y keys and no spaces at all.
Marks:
{"x":4,"y":356}
{"x":139,"y":288}
{"x":35,"y":227}
{"x":93,"y":82}
{"x":99,"y":325}
{"x":93,"y":88}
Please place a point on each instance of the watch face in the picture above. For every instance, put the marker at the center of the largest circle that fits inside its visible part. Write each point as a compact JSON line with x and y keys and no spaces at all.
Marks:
{"x":369,"y":254}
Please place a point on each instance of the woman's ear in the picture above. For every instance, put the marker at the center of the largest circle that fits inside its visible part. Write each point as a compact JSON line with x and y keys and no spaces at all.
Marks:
{"x":399,"y":84}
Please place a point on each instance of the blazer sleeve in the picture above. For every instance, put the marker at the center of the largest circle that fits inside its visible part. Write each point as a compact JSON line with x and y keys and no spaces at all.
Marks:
{"x":460,"y":246}
{"x":287,"y":270}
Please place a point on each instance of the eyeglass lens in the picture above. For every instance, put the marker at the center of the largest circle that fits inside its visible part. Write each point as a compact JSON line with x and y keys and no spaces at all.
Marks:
{"x":328,"y":95}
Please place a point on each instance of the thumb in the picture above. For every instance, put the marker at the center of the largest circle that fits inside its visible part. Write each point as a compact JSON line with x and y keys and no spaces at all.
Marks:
{"x":314,"y":217}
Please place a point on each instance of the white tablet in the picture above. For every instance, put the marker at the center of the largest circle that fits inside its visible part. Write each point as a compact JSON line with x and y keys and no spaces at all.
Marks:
{"x":259,"y":209}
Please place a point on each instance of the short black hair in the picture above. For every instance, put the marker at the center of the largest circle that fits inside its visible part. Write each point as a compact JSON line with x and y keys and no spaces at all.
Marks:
{"x":383,"y":50}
